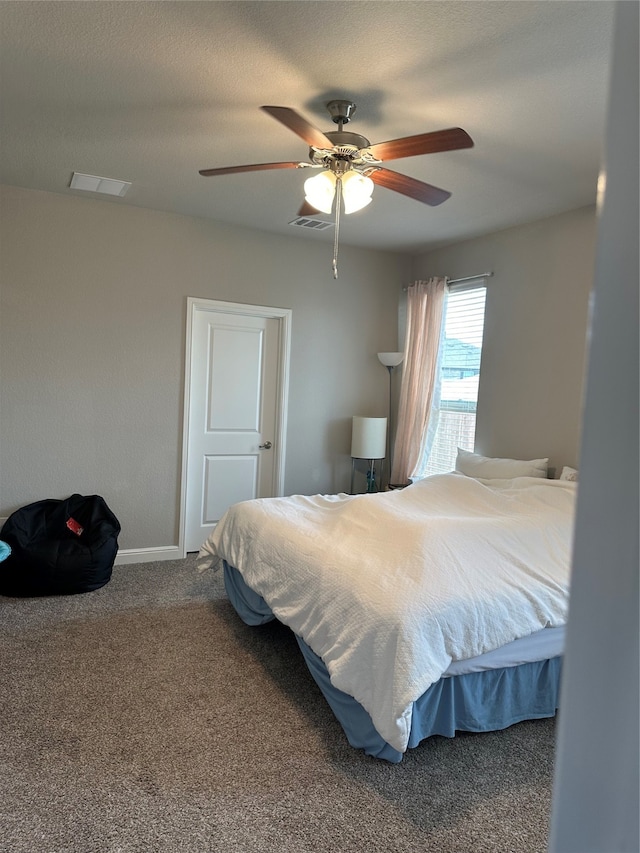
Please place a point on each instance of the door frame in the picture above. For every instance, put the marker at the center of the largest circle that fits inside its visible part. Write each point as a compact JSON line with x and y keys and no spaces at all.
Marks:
{"x":283,"y":316}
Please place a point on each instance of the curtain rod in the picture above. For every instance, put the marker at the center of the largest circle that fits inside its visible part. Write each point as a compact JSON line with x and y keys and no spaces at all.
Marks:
{"x":466,"y":278}
{"x":469,"y":277}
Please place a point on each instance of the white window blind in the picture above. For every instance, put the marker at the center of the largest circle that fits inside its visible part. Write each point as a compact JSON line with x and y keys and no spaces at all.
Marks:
{"x":453,"y":419}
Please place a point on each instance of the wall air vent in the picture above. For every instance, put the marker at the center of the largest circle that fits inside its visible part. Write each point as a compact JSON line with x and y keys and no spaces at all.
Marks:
{"x":312,"y":224}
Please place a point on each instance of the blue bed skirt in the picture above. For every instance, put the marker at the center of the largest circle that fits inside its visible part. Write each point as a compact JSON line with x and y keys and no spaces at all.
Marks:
{"x":476,"y":702}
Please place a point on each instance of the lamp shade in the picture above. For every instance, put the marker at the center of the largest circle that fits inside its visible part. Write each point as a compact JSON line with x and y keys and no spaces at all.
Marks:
{"x":356,"y":191}
{"x":369,"y":438}
{"x":320,"y":190}
{"x":391,"y":359}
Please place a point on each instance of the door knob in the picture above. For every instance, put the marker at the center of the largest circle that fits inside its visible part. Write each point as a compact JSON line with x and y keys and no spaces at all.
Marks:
{"x":266,"y":446}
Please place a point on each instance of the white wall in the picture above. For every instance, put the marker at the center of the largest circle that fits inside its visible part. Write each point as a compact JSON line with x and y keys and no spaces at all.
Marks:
{"x":92,"y":345}
{"x":93,"y":297}
{"x":530,"y":395}
{"x":597,"y":791}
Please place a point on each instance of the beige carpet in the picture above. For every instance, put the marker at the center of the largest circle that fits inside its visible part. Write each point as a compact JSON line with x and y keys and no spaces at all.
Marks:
{"x":146,"y":716}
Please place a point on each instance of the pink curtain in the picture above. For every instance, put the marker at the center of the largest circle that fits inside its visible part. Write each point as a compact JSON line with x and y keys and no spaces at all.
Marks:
{"x":425,"y":301}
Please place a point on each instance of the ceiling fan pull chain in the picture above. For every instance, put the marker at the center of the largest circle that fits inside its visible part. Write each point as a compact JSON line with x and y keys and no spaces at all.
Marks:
{"x":337,"y":229}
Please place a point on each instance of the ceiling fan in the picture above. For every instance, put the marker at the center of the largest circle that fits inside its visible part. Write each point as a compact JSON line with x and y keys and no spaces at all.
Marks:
{"x":350,"y":164}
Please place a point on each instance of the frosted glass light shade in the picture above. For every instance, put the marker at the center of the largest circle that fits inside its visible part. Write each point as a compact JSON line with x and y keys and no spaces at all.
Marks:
{"x":391,"y":359}
{"x":320,"y":190}
{"x":356,"y":191}
{"x":369,"y":438}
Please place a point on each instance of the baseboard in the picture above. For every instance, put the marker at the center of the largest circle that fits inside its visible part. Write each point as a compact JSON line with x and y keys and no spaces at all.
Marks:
{"x":148,"y":555}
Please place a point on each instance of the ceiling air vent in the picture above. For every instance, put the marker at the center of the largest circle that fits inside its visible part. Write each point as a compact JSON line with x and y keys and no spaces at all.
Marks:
{"x":96,"y":184}
{"x":312,"y":224}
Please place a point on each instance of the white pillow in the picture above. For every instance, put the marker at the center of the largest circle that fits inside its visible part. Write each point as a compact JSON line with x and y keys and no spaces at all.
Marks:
{"x":569,"y":474}
{"x":486,"y":468}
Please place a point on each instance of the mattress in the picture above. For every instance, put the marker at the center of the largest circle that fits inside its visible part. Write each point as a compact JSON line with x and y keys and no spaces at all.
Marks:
{"x":544,"y":644}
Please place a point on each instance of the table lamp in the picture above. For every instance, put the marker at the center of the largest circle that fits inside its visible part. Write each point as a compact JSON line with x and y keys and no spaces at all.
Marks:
{"x":368,"y":441}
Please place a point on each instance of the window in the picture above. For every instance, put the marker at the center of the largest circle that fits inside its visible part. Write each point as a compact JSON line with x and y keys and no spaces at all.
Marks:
{"x":453,"y":417}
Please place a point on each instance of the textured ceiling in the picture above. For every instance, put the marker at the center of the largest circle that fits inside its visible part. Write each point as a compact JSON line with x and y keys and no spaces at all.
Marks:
{"x":151,"y":92}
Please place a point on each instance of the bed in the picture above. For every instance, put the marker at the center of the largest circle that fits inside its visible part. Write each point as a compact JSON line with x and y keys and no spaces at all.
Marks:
{"x":428,"y":610}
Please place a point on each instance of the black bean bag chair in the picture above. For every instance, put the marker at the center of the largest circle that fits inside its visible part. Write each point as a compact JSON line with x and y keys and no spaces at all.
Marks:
{"x":59,"y":547}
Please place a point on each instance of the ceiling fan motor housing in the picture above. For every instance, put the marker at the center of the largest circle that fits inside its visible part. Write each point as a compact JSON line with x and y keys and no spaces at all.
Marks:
{"x":345,"y":139}
{"x":348,"y":148}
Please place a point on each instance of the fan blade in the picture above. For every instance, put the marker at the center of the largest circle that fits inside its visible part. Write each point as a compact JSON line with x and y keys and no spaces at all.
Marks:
{"x":255,"y":167}
{"x":299,"y":125}
{"x":426,"y":193}
{"x":423,"y":143}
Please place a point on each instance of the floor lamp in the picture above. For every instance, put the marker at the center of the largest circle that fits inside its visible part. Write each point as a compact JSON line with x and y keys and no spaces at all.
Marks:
{"x":390,"y":360}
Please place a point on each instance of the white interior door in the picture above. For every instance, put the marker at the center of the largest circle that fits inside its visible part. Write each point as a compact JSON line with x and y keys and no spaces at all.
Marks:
{"x":234,"y":413}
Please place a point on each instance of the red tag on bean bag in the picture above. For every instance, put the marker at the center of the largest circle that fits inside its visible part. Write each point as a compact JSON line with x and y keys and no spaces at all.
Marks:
{"x":74,"y":527}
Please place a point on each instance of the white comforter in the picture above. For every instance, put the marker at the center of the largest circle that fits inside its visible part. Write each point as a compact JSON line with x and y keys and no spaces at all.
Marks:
{"x":389,"y":589}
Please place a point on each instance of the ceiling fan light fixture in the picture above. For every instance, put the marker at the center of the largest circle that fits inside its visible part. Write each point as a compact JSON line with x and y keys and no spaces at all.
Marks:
{"x":320,"y":190}
{"x":357,"y":189}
